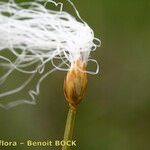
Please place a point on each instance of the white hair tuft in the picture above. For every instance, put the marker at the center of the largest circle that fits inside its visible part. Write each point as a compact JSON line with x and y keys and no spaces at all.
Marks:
{"x":34,"y":34}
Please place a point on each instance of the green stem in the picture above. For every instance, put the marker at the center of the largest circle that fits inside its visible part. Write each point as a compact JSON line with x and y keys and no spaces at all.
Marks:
{"x":68,"y":134}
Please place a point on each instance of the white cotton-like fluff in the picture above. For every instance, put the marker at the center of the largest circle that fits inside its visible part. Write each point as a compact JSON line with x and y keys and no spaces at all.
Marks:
{"x":36,"y":34}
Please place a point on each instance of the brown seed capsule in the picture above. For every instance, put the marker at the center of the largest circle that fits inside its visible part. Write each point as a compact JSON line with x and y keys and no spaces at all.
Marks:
{"x":75,"y":83}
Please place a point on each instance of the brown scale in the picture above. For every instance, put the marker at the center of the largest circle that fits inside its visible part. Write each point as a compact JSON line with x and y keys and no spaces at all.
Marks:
{"x":75,"y":83}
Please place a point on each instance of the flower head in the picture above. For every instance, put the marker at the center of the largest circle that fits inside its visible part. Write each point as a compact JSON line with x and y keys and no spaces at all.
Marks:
{"x":34,"y":34}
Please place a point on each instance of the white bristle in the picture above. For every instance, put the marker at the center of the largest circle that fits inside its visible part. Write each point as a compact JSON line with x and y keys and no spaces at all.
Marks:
{"x":41,"y":35}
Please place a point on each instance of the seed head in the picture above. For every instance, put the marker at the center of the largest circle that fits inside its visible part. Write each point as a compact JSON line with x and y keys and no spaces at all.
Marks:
{"x":31,"y":36}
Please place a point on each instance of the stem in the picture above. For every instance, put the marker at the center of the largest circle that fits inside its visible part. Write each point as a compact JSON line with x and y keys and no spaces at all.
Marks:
{"x":68,"y":134}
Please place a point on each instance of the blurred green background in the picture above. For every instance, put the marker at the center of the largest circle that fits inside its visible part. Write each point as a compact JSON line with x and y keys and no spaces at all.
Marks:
{"x":115,"y":113}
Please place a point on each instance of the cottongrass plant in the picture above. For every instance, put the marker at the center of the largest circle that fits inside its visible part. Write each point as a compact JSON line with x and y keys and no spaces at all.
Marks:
{"x":36,"y":35}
